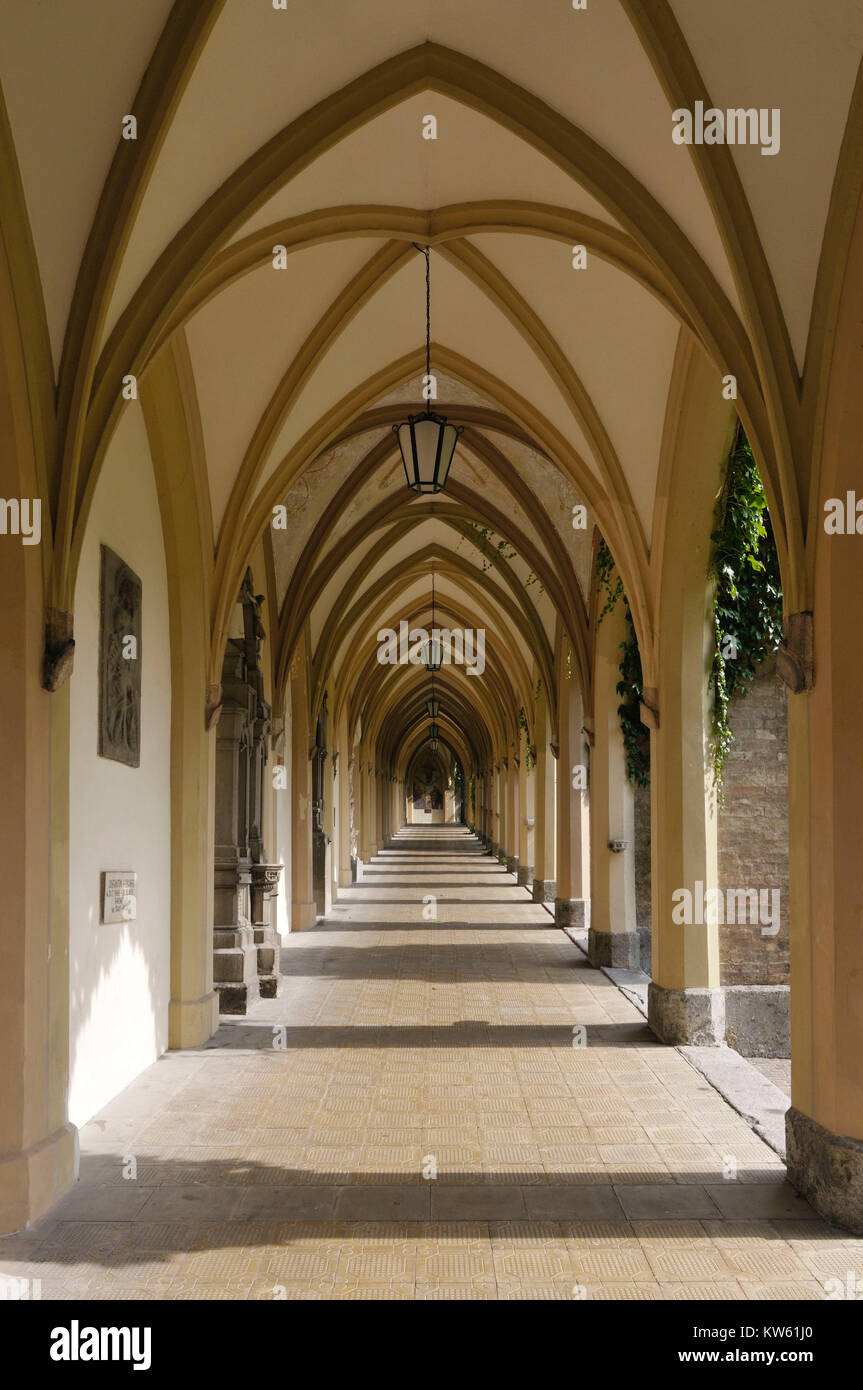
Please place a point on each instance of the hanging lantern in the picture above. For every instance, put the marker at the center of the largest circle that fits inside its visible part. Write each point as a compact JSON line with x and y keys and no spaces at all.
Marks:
{"x":433,"y":654}
{"x":433,"y":732}
{"x":427,"y":441}
{"x":433,"y":647}
{"x":433,"y":708}
{"x":433,"y":745}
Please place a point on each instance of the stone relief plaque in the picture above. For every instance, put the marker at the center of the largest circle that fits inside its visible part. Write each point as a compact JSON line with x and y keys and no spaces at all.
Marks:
{"x":119,"y":895}
{"x":120,"y":662}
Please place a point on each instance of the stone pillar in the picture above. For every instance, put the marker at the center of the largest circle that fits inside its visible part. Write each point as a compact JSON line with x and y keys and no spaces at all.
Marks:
{"x":572,"y":904}
{"x":396,"y":805}
{"x":545,"y":802}
{"x":38,"y":1145}
{"x":235,"y":956}
{"x":264,"y":888}
{"x":526,"y":820}
{"x":822,"y":662}
{"x":193,"y":1013}
{"x":613,"y":935}
{"x":322,"y":845}
{"x":331,"y":824}
{"x":685,"y":1001}
{"x":494,"y":847}
{"x":512,"y":813}
{"x":303,"y":912}
{"x":344,"y":798}
{"x":355,"y":798}
{"x":364,"y":836}
{"x":503,"y":811}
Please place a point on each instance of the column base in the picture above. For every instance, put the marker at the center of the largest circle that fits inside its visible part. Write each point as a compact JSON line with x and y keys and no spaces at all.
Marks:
{"x":511,"y":864}
{"x":493,"y":849}
{"x":544,"y":890}
{"x":303,"y":916}
{"x":692,"y":1017}
{"x":572,"y":912}
{"x":269,"y":945}
{"x":192,"y":1021}
{"x":827,"y":1169}
{"x":235,"y":968}
{"x":758,"y":1020}
{"x":32,"y":1181}
{"x":621,"y":949}
{"x":525,"y":875}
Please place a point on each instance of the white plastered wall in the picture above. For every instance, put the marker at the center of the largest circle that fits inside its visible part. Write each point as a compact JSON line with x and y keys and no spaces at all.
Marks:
{"x":120,"y":816}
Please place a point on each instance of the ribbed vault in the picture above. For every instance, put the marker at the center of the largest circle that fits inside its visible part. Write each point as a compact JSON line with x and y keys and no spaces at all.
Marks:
{"x":272,"y":261}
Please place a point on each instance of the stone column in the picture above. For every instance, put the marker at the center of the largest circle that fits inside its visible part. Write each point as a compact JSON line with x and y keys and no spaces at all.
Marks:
{"x":496,"y":832}
{"x":572,"y":904}
{"x":372,"y":777}
{"x":235,"y":956}
{"x":355,"y":797}
{"x":364,"y":838}
{"x":264,"y":888}
{"x":345,"y":794}
{"x":38,"y":1145}
{"x":512,"y":813}
{"x":685,"y":1001}
{"x":503,"y":810}
{"x":822,"y":662}
{"x":545,"y":832}
{"x":303,"y":912}
{"x":613,"y":935}
{"x":526,"y":819}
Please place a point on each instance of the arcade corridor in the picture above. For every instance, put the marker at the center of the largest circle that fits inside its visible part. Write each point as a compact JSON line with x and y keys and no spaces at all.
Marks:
{"x":413,"y":1117}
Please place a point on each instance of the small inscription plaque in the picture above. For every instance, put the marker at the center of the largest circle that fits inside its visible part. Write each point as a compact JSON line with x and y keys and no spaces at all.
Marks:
{"x":119,"y":895}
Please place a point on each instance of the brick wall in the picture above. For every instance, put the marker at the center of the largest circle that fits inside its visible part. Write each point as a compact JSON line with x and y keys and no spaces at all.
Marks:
{"x":753,"y":828}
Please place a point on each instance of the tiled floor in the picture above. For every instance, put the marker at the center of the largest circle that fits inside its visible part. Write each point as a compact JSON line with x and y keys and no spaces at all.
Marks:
{"x":777,"y":1070}
{"x":415,"y":1117}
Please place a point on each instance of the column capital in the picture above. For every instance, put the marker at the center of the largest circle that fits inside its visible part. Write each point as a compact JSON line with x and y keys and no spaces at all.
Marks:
{"x":58,"y":656}
{"x":795,"y":657}
{"x":212,"y":705}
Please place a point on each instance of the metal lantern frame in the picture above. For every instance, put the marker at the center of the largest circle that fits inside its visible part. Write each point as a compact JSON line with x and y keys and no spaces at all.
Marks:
{"x":432,"y":704}
{"x":434,"y":646}
{"x":427,"y":441}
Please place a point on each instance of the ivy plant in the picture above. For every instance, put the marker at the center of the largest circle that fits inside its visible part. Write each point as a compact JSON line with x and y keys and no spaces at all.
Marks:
{"x":528,"y":759}
{"x":630,"y":687}
{"x":747,"y":615}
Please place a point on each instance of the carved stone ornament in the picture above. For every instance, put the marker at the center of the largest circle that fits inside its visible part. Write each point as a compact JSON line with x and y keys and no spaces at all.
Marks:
{"x":120,"y":662}
{"x":649,"y":709}
{"x":58,"y":656}
{"x":212,"y":705}
{"x":795,"y":657}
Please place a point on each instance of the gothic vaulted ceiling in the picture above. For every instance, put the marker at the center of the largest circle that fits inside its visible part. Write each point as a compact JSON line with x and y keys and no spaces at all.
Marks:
{"x":304,"y":128}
